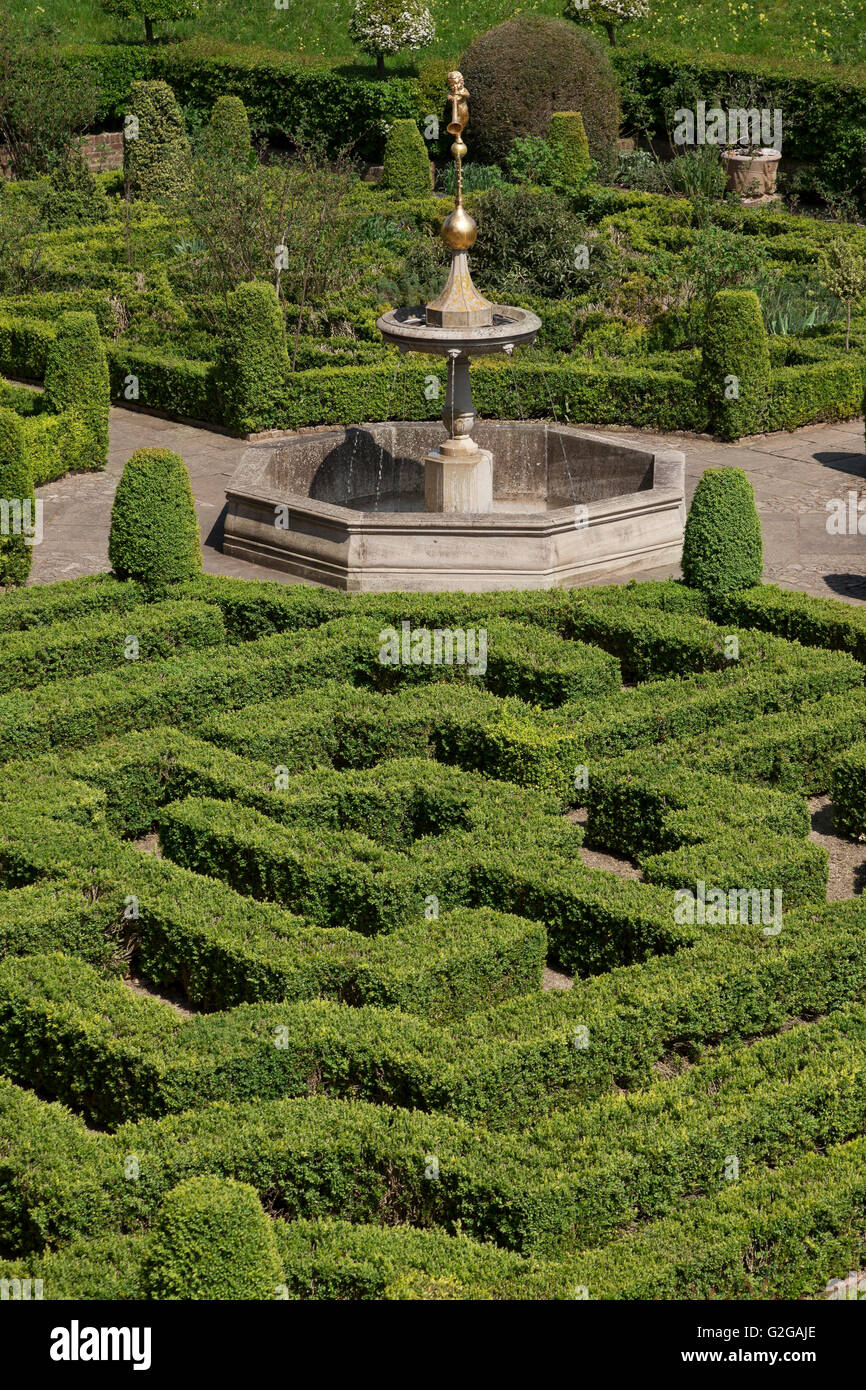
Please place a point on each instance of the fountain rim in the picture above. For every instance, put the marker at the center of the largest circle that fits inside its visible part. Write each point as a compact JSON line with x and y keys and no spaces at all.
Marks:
{"x":407,"y":329}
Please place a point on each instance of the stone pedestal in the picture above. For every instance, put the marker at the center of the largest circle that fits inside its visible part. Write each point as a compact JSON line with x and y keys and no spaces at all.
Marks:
{"x":458,"y":480}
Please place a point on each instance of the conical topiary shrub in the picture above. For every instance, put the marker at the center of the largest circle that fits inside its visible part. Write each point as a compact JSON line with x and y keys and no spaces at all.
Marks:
{"x":735,"y":364}
{"x":212,"y":1240}
{"x":154,"y":531}
{"x":17,"y":502}
{"x":406,"y":169}
{"x":76,"y":378}
{"x":567,"y":139}
{"x":228,"y":134}
{"x":156,"y":153}
{"x":722,"y":547}
{"x":253,"y":362}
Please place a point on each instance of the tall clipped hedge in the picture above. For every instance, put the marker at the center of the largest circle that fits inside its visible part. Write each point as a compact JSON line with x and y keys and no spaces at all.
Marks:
{"x":523,"y":71}
{"x":735,"y":364}
{"x":253,"y":361}
{"x":156,"y":152}
{"x":406,"y":168}
{"x":154,"y":530}
{"x":16,"y":491}
{"x":76,"y":378}
{"x":212,"y":1240}
{"x":567,"y":139}
{"x":722,"y":547}
{"x":228,"y":134}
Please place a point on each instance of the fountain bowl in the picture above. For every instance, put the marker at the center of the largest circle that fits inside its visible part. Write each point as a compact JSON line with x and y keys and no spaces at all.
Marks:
{"x":409,"y":330}
{"x":345,"y":507}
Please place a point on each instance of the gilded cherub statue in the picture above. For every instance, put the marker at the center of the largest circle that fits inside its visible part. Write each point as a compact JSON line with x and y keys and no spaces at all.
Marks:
{"x":457,"y":95}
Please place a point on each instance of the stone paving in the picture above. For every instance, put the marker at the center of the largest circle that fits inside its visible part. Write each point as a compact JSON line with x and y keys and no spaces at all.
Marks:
{"x":794,"y":476}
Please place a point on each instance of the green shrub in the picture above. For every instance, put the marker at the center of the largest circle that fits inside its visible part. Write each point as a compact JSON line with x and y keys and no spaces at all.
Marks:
{"x":228,"y":135}
{"x":567,"y":138}
{"x":253,"y":361}
{"x":17,"y":502}
{"x":76,"y":378}
{"x":211,"y":1240}
{"x":735,"y":364}
{"x":526,"y":243}
{"x":849,"y":792}
{"x":522,"y":71}
{"x":156,"y":160}
{"x":154,"y":529}
{"x":406,"y":168}
{"x":722,"y":546}
{"x":73,"y":197}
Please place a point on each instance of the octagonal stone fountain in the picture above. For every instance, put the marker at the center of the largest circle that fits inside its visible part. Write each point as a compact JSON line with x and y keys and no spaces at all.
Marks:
{"x":493,"y":505}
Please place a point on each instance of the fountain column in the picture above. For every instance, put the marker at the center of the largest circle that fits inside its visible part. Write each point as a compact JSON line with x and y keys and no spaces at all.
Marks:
{"x":458,"y":476}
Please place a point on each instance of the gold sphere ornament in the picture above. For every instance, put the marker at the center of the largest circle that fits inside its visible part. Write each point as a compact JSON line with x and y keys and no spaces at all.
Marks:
{"x":459,"y":229}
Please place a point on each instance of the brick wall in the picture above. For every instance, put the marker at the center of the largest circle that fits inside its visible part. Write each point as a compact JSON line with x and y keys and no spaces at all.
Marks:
{"x":101,"y":152}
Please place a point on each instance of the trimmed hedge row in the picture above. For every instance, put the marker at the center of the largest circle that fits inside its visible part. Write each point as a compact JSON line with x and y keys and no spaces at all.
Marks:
{"x":223,"y":949}
{"x":93,"y":594}
{"x":685,"y":828}
{"x":148,"y":632}
{"x":816,"y":622}
{"x":849,"y":792}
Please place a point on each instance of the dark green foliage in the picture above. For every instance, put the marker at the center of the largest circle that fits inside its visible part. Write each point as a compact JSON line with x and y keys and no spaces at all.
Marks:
{"x":527,"y":240}
{"x":522,"y":71}
{"x":211,"y":1240}
{"x":73,"y":197}
{"x":253,"y":363}
{"x":17,"y":502}
{"x":567,"y":138}
{"x":722,"y":546}
{"x":735,"y":364}
{"x":157,"y":160}
{"x":154,"y":529}
{"x":228,"y":134}
{"x":76,"y":378}
{"x":407,"y":161}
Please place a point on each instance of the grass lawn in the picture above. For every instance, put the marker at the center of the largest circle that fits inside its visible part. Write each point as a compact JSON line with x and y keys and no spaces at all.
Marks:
{"x":830,"y":33}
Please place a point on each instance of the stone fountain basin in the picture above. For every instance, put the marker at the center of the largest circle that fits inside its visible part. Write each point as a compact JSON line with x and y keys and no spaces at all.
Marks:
{"x":408,"y":330}
{"x":344,"y":507}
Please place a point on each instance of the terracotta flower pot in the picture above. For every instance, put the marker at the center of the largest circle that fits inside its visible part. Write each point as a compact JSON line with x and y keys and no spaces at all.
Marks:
{"x":751,"y":173}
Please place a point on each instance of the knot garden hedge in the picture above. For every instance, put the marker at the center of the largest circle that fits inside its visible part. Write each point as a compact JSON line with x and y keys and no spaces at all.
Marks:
{"x":362,"y":870}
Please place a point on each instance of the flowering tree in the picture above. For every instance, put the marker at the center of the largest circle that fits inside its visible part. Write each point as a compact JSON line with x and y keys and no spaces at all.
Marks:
{"x":150,"y":10}
{"x":389,"y":26}
{"x":610,"y":14}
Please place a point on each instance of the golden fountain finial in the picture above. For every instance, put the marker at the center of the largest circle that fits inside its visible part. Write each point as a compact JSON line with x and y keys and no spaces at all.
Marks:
{"x":459,"y":305}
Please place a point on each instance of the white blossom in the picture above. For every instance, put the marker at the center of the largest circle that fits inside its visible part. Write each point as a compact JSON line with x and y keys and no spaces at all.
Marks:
{"x":389,"y":26}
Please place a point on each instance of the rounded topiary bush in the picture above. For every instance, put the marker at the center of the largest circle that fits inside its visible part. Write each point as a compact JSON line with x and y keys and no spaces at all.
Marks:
{"x":76,"y":378}
{"x":735,"y":364}
{"x":521,"y":72}
{"x":567,"y":139}
{"x":406,"y":169}
{"x":253,"y":361}
{"x":722,"y":547}
{"x":228,"y":134}
{"x":211,"y":1240}
{"x":154,"y":530}
{"x":156,"y":153}
{"x":17,"y":502}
